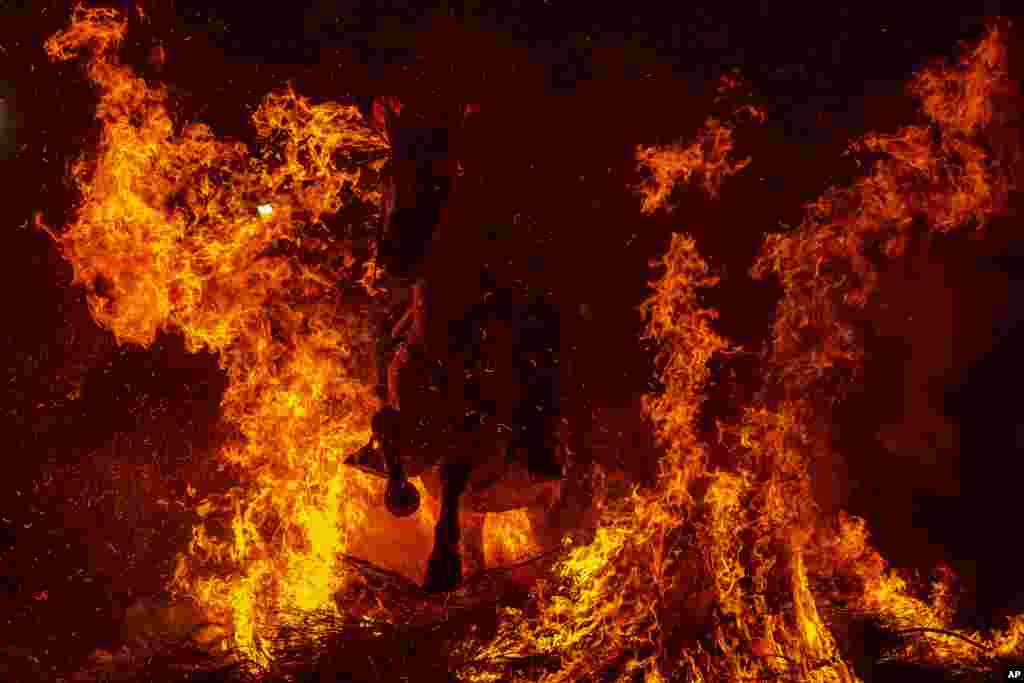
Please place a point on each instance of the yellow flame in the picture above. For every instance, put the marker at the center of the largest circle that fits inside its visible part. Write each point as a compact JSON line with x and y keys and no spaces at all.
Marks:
{"x":176,"y":230}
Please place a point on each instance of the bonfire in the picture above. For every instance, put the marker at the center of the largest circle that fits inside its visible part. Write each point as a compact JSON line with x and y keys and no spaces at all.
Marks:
{"x":723,"y":569}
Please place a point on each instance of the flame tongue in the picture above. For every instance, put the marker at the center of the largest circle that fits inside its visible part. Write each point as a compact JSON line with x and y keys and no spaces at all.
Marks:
{"x":176,"y":231}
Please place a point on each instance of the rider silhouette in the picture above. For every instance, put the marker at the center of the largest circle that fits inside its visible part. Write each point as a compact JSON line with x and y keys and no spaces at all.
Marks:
{"x":419,"y":180}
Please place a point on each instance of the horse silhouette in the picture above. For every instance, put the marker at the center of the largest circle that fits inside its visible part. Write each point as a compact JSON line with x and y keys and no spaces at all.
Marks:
{"x":471,"y":424}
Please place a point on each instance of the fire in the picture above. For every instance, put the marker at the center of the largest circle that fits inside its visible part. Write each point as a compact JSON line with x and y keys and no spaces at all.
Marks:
{"x":709,"y":156}
{"x":721,"y":571}
{"x":180,"y":231}
{"x":717,"y":572}
{"x":508,"y":538}
{"x":940,"y":176}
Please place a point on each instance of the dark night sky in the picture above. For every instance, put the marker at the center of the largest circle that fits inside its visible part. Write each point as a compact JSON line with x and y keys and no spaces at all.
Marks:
{"x":565,"y":95}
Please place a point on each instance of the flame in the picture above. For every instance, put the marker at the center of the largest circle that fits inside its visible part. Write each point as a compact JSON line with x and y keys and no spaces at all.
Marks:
{"x":180,"y":231}
{"x":508,"y":538}
{"x":709,"y":156}
{"x":938,"y":176}
{"x":716,"y":573}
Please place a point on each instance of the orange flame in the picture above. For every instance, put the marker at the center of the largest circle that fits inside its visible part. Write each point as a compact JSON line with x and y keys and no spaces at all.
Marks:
{"x":177,"y":231}
{"x":714,"y":574}
{"x":709,"y":156}
{"x":508,"y":538}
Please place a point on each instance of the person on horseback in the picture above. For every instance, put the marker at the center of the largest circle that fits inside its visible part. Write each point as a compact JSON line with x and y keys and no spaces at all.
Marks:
{"x":419,"y":180}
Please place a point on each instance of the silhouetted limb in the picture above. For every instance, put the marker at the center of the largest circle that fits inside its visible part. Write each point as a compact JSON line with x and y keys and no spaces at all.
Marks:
{"x":444,"y":569}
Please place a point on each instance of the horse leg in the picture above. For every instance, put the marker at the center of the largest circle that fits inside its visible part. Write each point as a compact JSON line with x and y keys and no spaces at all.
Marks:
{"x":444,"y":569}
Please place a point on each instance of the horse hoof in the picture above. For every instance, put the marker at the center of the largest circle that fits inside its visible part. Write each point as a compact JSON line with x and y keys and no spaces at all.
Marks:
{"x":401,"y":498}
{"x":444,"y":572}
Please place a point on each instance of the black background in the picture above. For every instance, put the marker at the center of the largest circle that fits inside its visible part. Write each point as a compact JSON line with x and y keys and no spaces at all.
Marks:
{"x":566,"y":92}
